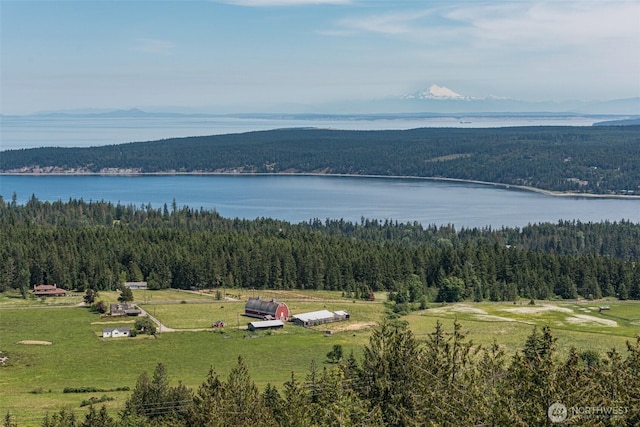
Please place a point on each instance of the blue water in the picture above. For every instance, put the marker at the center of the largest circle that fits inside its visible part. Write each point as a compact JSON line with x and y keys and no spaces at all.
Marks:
{"x":70,"y":131}
{"x":301,"y":198}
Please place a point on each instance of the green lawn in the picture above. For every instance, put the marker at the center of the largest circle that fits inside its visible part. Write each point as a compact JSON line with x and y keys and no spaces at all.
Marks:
{"x":32,"y":381}
{"x":202,"y":315}
{"x":14,"y":299}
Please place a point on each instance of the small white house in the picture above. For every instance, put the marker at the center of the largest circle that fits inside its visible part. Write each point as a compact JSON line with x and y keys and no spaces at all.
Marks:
{"x":122,"y":331}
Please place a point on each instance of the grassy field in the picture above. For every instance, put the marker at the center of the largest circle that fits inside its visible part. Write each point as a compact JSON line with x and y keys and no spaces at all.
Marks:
{"x":202,"y":315}
{"x":34,"y":376}
{"x":575,"y":324}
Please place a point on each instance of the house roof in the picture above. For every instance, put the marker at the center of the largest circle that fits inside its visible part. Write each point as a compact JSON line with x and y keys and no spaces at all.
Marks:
{"x":121,"y":329}
{"x":121,"y":306}
{"x":48,"y":290}
{"x":44,"y":287}
{"x":135,"y":285}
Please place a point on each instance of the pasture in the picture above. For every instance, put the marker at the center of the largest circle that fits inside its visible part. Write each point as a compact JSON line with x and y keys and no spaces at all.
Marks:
{"x":34,"y":376}
{"x":574,"y":324}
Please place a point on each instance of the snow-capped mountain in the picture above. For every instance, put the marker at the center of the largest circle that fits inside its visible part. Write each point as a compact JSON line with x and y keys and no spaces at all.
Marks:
{"x":437,"y":92}
{"x":440,"y":99}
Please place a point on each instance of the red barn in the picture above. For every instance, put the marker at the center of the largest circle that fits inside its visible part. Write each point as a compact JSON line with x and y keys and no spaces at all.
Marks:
{"x":266,"y":310}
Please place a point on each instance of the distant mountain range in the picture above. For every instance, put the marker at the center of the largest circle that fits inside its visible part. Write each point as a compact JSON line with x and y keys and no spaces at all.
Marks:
{"x":435,"y":101}
{"x":135,"y":113}
{"x":440,"y":98}
{"x":437,"y":92}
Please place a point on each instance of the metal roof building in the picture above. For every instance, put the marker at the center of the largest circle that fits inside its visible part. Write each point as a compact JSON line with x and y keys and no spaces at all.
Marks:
{"x":266,"y":324}
{"x":319,"y":317}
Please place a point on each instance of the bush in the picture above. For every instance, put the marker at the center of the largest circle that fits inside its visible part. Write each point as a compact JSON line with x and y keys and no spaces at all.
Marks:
{"x":451,"y":290}
{"x":92,"y":389}
{"x":335,"y":355}
{"x":93,"y":400}
{"x":402,"y":309}
{"x":100,"y":307}
{"x":590,"y":358}
{"x":81,"y":390}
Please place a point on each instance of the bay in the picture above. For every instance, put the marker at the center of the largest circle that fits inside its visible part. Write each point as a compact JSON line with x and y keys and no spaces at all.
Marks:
{"x":17,"y":132}
{"x":303,"y":198}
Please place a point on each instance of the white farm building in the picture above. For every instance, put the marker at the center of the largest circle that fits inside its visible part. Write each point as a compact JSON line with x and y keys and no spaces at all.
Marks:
{"x":319,"y":317}
{"x":265,"y":324}
{"x":116,"y":332}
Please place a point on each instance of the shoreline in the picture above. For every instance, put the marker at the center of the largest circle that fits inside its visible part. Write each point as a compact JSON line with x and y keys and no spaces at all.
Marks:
{"x":426,"y":178}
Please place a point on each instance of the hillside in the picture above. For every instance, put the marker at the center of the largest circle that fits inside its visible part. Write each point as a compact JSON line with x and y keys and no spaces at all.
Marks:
{"x":95,"y":244}
{"x":590,"y":160}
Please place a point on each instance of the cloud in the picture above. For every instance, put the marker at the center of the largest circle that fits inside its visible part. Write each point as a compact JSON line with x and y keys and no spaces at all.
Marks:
{"x":574,"y":45}
{"x":272,"y":3}
{"x":529,"y":24}
{"x":153,"y":46}
{"x":396,"y":23}
{"x":551,"y":23}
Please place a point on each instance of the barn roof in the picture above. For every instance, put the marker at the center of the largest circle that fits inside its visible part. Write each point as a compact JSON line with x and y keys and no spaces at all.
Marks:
{"x":263,"y":306}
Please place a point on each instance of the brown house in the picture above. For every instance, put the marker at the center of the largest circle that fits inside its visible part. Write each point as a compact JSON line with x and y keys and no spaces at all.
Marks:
{"x":48,"y":291}
{"x":124,"y":309}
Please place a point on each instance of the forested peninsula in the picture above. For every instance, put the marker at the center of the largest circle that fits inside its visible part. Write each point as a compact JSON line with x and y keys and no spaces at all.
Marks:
{"x":98,"y":245}
{"x":584,"y":160}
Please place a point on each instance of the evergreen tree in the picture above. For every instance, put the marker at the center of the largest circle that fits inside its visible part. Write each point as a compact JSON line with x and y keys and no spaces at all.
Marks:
{"x":8,"y":421}
{"x":63,"y":418}
{"x":241,"y":402}
{"x":533,"y":377}
{"x":335,"y":355}
{"x":296,"y":399}
{"x":496,"y":404}
{"x":126,"y":294}
{"x":632,"y":378}
{"x":153,"y":398}
{"x":388,"y":381}
{"x":274,"y":403}
{"x":90,"y":296}
{"x":207,"y":402}
{"x":452,"y":384}
{"x":97,"y":419}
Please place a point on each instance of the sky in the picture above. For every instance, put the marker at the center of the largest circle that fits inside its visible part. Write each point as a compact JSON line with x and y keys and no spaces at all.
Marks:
{"x":263,"y":55}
